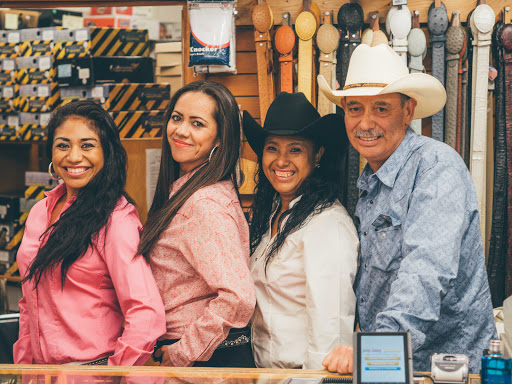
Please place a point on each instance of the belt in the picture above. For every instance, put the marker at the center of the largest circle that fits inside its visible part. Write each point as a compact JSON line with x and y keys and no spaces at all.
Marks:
{"x":305,"y":26}
{"x":465,"y":120}
{"x":263,"y":20}
{"x":327,"y":40}
{"x":398,"y":22}
{"x":417,"y":49}
{"x":482,"y":21}
{"x":460,"y":75}
{"x":350,"y":21}
{"x":437,"y":25}
{"x":454,"y":44}
{"x":499,"y":230}
{"x":103,"y":360}
{"x":285,"y":41}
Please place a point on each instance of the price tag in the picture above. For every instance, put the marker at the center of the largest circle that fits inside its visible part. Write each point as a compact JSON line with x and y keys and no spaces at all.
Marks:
{"x":45,"y":63}
{"x":13,"y":37}
{"x":8,"y":92}
{"x":43,"y":91}
{"x":44,"y":118}
{"x":399,"y":2}
{"x":84,"y":73}
{"x":72,"y":22}
{"x":8,"y":65}
{"x":97,"y":92}
{"x":82,"y":34}
{"x":48,"y":35}
{"x":64,"y":70}
{"x":11,"y":21}
{"x":13,"y":120}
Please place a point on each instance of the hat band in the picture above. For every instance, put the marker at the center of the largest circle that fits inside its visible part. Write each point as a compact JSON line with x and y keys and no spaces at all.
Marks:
{"x":363,"y":85}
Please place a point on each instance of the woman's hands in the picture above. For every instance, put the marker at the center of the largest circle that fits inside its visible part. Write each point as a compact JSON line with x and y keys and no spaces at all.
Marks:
{"x":340,"y":359}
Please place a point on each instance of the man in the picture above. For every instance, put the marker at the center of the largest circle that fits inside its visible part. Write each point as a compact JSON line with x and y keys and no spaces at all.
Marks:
{"x":422,"y":264}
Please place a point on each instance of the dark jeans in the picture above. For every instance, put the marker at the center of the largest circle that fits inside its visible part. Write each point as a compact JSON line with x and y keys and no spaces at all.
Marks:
{"x":237,"y":356}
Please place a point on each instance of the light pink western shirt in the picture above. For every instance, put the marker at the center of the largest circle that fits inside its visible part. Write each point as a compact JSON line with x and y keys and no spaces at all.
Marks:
{"x":201,"y":267}
{"x":83,"y":320}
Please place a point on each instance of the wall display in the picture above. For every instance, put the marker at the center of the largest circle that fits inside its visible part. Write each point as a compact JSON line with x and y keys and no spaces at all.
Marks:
{"x":398,"y":26}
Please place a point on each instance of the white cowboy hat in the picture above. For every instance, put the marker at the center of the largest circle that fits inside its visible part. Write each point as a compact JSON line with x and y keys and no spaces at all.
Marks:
{"x":379,"y":70}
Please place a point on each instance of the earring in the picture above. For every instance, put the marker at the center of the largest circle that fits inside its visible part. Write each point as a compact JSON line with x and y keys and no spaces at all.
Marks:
{"x":211,"y":153}
{"x":51,"y":174}
{"x":317,"y":165}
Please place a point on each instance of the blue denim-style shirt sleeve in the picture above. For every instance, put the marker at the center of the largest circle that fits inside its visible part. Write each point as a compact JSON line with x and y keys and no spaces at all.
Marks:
{"x":431,"y":238}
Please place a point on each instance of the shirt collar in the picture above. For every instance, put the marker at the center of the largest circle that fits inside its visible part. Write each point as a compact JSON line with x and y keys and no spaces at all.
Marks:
{"x":56,"y":193}
{"x":176,"y":186}
{"x":388,"y":172}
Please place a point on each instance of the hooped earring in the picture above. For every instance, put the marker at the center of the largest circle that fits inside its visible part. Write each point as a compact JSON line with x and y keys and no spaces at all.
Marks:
{"x":317,"y":165}
{"x":51,"y":174}
{"x":211,"y":153}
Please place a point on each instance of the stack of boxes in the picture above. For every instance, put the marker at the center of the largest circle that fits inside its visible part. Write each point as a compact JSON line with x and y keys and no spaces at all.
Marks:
{"x":169,"y":64}
{"x":43,"y":68}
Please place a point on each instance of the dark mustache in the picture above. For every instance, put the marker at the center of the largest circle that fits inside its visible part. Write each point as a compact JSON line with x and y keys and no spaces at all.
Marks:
{"x":368,"y":133}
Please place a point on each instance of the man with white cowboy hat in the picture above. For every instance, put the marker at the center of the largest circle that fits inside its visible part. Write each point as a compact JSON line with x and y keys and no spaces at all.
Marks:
{"x":422,"y":264}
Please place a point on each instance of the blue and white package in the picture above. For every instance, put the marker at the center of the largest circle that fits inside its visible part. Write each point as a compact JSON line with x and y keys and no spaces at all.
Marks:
{"x":211,"y":26}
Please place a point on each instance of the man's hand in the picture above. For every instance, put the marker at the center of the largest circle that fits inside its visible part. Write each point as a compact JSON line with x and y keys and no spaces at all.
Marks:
{"x":164,"y":352}
{"x":340,"y":359}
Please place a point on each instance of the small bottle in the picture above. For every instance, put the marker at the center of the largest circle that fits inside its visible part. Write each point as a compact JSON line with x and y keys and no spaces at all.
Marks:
{"x":496,"y":369}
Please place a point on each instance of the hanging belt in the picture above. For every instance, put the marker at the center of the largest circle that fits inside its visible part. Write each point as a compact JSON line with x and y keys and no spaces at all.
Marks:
{"x":305,"y":26}
{"x":499,"y":231}
{"x":462,"y":59}
{"x":482,"y":21}
{"x":399,"y":21}
{"x":263,"y":20}
{"x":327,"y":40}
{"x":417,"y":49}
{"x":454,"y":45}
{"x":285,"y":41}
{"x":350,"y":21}
{"x":437,"y":25}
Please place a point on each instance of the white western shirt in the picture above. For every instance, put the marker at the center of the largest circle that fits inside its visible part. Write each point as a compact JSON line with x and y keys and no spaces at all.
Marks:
{"x":305,"y":300}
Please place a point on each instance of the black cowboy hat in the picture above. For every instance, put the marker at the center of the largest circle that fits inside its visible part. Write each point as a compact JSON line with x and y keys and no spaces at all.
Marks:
{"x":291,"y":114}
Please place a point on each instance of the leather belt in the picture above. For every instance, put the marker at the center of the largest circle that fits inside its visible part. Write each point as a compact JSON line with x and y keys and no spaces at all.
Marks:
{"x":465,"y":118}
{"x":482,"y":22}
{"x":263,"y":20}
{"x":285,"y":41}
{"x":437,"y":25}
{"x":454,"y":45}
{"x":496,"y":260}
{"x":350,"y":21}
{"x":327,"y":39}
{"x":460,"y":76}
{"x":305,"y":26}
{"x":417,"y":50}
{"x":399,"y":23}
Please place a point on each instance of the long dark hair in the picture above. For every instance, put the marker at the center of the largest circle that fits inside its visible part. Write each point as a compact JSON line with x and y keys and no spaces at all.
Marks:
{"x":319,"y":191}
{"x":222,"y":165}
{"x":79,"y":226}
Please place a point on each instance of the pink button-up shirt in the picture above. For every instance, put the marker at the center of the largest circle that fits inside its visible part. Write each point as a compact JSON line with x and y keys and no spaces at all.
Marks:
{"x":83,"y":320}
{"x":200,"y":264}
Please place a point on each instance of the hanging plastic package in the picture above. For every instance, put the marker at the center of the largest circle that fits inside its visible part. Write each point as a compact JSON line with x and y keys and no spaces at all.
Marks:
{"x":212,"y":36}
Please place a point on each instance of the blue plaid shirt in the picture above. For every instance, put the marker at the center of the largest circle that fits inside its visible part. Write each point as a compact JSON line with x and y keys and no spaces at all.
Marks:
{"x":422,"y":266}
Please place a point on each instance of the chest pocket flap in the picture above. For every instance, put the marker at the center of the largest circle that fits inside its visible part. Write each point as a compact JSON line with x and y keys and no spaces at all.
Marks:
{"x":388,"y":243}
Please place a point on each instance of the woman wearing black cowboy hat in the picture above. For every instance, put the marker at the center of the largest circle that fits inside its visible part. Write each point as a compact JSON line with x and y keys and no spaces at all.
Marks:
{"x":303,"y":242}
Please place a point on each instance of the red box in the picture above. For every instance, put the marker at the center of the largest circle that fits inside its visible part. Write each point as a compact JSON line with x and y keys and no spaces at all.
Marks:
{"x":107,"y":21}
{"x":103,"y":11}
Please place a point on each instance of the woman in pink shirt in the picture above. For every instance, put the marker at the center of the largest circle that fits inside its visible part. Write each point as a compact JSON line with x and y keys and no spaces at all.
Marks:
{"x":81,"y":272}
{"x":196,"y":236}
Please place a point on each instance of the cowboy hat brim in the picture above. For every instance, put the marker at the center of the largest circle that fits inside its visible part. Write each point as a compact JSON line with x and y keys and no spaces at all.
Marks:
{"x":425,"y":89}
{"x":329,"y":129}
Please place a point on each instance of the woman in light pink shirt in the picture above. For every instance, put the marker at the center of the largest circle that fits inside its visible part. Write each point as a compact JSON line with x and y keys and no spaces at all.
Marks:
{"x":196,"y":236}
{"x":81,"y":272}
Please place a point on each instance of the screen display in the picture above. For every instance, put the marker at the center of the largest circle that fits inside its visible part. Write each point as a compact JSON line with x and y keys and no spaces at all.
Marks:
{"x":383,"y":359}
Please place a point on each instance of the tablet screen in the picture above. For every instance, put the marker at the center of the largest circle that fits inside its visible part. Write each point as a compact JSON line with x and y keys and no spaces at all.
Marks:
{"x":383,"y":358}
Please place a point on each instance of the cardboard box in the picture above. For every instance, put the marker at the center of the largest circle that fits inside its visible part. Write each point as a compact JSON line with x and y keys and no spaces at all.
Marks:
{"x":175,"y":82}
{"x":177,"y":70}
{"x":77,"y":71}
{"x":123,"y":69}
{"x":137,"y":97}
{"x":137,"y":124}
{"x":168,"y":59}
{"x":9,"y":208}
{"x":10,"y":36}
{"x":38,"y":48}
{"x":150,"y":25}
{"x":17,"y":19}
{"x":119,"y":42}
{"x":41,"y":34}
{"x":174,"y":46}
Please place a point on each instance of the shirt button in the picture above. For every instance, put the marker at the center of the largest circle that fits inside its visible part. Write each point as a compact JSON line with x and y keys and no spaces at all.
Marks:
{"x":365,"y":233}
{"x":362,"y":299}
{"x":371,"y":201}
{"x":365,"y":265}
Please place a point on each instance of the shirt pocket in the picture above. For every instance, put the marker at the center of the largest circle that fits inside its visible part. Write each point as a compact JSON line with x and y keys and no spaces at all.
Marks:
{"x":388,"y":241}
